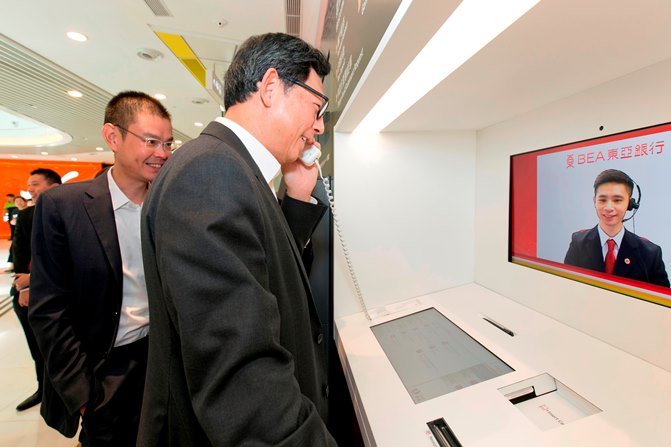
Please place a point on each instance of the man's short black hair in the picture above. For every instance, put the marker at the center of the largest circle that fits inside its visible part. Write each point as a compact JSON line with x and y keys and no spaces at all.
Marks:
{"x":291,"y":56}
{"x":122,"y":109}
{"x":614,"y":176}
{"x":49,"y":175}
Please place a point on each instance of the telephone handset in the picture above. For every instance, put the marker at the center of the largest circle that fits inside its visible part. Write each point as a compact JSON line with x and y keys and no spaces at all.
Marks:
{"x":309,"y":156}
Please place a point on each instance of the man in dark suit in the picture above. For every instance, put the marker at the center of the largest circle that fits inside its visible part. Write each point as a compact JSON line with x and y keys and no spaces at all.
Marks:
{"x":235,"y":354}
{"x":40,"y":180}
{"x":88,"y":303}
{"x":611,"y":248}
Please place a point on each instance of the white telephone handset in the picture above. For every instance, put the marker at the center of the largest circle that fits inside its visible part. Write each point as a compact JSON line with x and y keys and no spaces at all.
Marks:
{"x":309,"y":156}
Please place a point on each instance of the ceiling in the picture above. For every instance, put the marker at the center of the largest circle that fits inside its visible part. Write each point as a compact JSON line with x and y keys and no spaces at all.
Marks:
{"x":558,"y":49}
{"x":38,"y":63}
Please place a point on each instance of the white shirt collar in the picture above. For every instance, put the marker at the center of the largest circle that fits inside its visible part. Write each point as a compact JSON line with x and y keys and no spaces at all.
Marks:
{"x":266,"y":162}
{"x":604,"y":237}
{"x":119,"y":199}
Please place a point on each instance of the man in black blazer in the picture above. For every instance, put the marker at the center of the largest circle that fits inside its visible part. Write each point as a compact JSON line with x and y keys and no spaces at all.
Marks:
{"x":88,"y":303}
{"x":235,"y":354}
{"x":634,"y":257}
{"x":40,"y":180}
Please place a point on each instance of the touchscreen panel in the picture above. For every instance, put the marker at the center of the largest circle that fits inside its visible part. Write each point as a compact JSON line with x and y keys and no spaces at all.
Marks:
{"x":433,"y":356}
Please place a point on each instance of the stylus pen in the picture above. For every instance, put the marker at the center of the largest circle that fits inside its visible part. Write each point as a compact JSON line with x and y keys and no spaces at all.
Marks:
{"x":499,"y":326}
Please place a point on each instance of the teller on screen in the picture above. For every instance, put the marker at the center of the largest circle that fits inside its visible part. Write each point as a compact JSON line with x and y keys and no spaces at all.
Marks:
{"x":611,"y":248}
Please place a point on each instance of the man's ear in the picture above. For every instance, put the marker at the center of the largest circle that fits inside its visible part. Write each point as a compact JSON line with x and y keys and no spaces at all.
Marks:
{"x":110,"y":135}
{"x":269,"y":86}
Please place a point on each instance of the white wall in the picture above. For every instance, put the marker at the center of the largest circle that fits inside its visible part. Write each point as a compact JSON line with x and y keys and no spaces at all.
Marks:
{"x":406,"y":206}
{"x":637,"y":100}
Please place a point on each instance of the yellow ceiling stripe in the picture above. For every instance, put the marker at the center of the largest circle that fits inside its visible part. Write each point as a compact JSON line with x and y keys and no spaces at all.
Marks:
{"x":185,"y":54}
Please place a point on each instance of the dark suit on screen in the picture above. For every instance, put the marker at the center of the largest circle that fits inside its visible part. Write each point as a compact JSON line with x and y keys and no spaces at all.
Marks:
{"x":637,"y":258}
{"x":235,"y":354}
{"x":76,"y":296}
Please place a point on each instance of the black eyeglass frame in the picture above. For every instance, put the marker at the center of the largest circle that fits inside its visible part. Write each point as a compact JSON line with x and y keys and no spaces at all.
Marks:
{"x":325,"y":104}
{"x":146,"y":140}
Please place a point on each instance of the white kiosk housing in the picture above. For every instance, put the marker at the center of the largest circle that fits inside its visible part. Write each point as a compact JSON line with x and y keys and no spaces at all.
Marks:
{"x":423,"y":206}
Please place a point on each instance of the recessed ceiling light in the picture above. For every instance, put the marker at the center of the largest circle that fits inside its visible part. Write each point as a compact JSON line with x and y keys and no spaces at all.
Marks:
{"x":198,"y":124}
{"x":78,"y":37}
{"x":75,"y":93}
{"x":15,"y":156}
{"x":44,"y":153}
{"x":99,"y":149}
{"x":160,"y":96}
{"x":149,"y":54}
{"x":74,"y":159}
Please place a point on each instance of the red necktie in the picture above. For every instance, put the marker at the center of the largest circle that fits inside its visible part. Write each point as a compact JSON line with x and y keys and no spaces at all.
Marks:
{"x":610,"y":257}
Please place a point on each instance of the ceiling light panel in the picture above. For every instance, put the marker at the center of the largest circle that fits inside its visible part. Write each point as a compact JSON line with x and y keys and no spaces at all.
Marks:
{"x":470,"y":28}
{"x":35,"y":87}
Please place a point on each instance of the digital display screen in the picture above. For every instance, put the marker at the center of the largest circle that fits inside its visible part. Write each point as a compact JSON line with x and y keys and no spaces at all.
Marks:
{"x":567,"y":201}
{"x":433,"y":356}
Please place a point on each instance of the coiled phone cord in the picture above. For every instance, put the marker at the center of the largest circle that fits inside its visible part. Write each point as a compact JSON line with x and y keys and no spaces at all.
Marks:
{"x":350,"y":267}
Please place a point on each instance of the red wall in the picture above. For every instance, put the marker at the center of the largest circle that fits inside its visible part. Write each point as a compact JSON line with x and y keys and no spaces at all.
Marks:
{"x":14,"y":177}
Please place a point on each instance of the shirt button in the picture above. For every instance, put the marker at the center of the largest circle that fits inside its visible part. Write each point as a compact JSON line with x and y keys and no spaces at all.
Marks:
{"x":325,"y":390}
{"x":320,"y":338}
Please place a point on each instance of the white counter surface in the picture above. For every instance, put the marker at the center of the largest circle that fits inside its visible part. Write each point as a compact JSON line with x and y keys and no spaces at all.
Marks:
{"x":634,"y":396}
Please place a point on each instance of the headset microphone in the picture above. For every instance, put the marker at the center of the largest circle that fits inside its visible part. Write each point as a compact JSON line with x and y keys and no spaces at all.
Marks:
{"x":633,"y":203}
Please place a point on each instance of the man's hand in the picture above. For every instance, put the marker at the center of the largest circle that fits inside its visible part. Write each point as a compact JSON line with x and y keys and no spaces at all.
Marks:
{"x":24,"y":296}
{"x":21,"y":280}
{"x":300,"y":179}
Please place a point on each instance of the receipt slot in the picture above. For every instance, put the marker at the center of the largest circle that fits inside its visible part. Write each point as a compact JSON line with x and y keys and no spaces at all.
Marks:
{"x":547,"y":402}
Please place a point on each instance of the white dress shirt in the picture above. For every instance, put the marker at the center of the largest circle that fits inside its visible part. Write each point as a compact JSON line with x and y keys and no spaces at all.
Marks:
{"x":266,"y":162}
{"x":134,"y":318}
{"x":604,"y":239}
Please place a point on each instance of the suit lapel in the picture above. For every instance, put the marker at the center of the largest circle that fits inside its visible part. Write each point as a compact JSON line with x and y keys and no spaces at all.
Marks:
{"x":595,"y":251}
{"x":98,"y":205}
{"x":626,"y":255}
{"x":226,"y":135}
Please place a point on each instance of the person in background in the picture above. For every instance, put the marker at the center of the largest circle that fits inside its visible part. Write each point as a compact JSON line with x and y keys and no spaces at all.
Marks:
{"x":39,"y":181}
{"x":88,"y":303}
{"x":236,"y":355}
{"x":611,"y":248}
{"x":21,"y":204}
{"x":9,"y":204}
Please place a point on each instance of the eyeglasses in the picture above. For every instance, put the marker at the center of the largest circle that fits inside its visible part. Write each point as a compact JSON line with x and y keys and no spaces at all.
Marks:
{"x":325,"y":104}
{"x":152,"y":143}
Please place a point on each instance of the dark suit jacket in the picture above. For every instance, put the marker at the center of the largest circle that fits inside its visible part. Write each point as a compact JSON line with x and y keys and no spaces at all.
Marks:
{"x":75,"y":293}
{"x":637,"y":258}
{"x":234,"y":347}
{"x":21,"y":240}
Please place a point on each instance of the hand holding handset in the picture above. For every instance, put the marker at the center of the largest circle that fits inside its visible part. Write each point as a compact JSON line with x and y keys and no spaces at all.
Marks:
{"x":309,"y":156}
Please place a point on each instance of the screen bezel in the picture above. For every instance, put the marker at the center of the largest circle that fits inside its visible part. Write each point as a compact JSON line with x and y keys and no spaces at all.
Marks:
{"x":636,"y":289}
